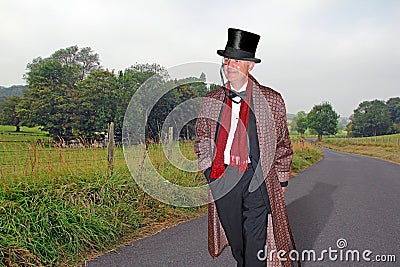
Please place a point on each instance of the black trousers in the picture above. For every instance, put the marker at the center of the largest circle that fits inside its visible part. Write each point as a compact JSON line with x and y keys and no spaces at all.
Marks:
{"x":243,"y":214}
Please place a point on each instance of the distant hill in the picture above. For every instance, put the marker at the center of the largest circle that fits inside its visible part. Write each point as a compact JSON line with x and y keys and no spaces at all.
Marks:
{"x":14,"y":90}
{"x":343,"y":121}
{"x":290,"y":116}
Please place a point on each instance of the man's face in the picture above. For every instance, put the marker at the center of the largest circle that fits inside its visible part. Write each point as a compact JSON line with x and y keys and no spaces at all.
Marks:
{"x":237,"y":70}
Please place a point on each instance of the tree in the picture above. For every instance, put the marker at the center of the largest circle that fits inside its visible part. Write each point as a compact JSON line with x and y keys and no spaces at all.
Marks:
{"x":144,"y":71}
{"x":84,"y":60}
{"x":128,"y":82}
{"x":127,"y":85}
{"x":188,"y":91}
{"x":50,"y":100}
{"x":323,"y":119}
{"x":349,"y":127}
{"x":370,"y":118}
{"x":203,"y":77}
{"x":52,"y":97}
{"x":300,"y":122}
{"x":9,"y":115}
{"x":97,"y":102}
{"x":393,"y":105}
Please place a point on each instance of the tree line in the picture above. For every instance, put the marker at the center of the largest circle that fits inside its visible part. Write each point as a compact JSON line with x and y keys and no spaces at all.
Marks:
{"x":376,"y":117}
{"x":71,"y":94}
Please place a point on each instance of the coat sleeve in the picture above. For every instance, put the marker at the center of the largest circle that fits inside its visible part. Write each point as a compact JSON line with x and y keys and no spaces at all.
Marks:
{"x":284,"y":150}
{"x":202,"y":143}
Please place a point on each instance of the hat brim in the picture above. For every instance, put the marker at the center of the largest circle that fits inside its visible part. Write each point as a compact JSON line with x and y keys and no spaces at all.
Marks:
{"x":223,"y":53}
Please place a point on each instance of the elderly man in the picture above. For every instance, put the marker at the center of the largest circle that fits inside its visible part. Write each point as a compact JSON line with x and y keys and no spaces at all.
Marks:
{"x":245,"y":153}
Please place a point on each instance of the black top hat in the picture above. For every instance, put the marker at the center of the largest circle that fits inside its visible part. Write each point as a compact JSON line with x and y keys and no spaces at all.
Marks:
{"x":241,"y":45}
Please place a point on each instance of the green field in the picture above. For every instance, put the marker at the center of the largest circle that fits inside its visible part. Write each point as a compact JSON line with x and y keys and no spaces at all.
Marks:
{"x":60,"y":206}
{"x":24,"y":130}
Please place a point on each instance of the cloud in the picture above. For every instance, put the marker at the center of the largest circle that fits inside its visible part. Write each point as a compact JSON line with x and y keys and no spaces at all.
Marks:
{"x":311,"y":51}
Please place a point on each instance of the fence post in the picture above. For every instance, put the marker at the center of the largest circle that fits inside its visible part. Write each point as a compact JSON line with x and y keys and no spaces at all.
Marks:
{"x":170,"y":141}
{"x":110,"y":147}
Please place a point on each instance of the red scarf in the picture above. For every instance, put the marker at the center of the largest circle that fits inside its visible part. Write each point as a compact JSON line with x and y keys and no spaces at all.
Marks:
{"x":239,"y":152}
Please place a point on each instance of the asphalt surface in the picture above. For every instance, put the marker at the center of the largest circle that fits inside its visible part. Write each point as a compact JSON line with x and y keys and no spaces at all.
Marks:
{"x":343,"y":196}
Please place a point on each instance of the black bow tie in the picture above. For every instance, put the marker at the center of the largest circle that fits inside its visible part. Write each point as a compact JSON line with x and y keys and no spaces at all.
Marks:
{"x":233,"y":94}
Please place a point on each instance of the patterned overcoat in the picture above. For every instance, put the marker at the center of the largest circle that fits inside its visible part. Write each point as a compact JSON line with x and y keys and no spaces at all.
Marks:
{"x":275,"y":157}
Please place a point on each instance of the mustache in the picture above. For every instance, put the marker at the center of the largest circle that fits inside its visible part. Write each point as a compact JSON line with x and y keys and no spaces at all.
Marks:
{"x":231,"y":70}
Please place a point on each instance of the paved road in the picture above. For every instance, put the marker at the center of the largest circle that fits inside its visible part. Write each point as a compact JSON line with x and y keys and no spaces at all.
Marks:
{"x":342,"y":196}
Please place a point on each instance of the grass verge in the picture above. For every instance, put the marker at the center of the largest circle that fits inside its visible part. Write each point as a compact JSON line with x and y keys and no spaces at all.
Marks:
{"x":384,"y":151}
{"x":305,"y":155}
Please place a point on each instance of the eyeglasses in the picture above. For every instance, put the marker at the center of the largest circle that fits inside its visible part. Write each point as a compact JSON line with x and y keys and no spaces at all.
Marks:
{"x":226,"y":60}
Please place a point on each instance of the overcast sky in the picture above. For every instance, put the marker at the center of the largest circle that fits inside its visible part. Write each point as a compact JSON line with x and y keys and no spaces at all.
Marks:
{"x":342,"y":52}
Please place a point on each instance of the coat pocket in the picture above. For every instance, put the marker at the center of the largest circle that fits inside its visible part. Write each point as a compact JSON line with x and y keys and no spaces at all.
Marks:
{"x":207,"y":173}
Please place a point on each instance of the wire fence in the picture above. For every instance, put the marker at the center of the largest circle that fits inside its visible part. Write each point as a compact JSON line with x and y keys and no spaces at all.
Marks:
{"x":388,"y":140}
{"x":21,"y":159}
{"x":33,"y":156}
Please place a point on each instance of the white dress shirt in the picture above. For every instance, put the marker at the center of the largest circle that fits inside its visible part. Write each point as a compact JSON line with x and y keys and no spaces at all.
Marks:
{"x":234,"y":122}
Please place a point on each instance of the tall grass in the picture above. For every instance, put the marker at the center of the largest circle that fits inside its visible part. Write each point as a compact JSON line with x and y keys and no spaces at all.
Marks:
{"x":48,"y":223}
{"x":64,"y":207}
{"x":59,"y":206}
{"x":305,"y":154}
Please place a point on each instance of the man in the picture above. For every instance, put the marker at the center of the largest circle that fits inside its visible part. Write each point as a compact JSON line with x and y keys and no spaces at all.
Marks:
{"x":244,"y":150}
